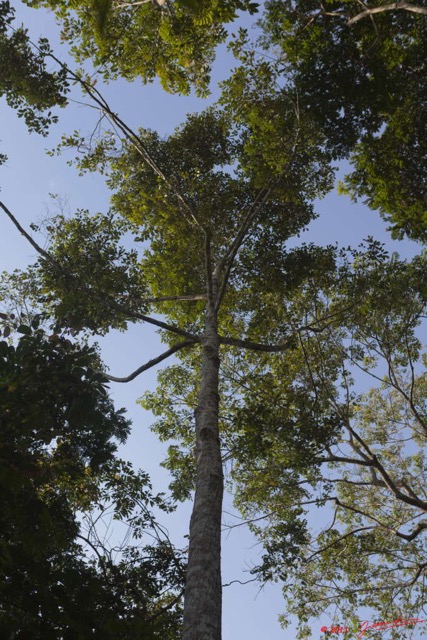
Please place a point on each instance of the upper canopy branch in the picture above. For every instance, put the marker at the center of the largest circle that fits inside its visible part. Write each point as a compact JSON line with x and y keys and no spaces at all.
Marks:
{"x":133,"y":138}
{"x":393,"y":6}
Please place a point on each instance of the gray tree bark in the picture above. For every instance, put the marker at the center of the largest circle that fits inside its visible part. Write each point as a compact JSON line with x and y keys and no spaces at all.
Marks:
{"x":203,"y":592}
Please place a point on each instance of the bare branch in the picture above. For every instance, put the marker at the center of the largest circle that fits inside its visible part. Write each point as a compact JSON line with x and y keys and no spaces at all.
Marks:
{"x":244,"y":523}
{"x":240,"y":582}
{"x":157,"y":323}
{"x":93,"y":547}
{"x":190,"y":297}
{"x":363,"y":463}
{"x":393,"y":6}
{"x":415,"y":532}
{"x":138,"y":3}
{"x":152,"y":363}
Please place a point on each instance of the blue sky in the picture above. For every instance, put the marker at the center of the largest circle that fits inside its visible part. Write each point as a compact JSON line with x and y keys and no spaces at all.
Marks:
{"x":26,"y":181}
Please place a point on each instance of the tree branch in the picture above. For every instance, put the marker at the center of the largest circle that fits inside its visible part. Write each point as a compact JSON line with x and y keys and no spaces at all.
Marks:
{"x":255,"y":346}
{"x":26,"y":235}
{"x":228,"y":584}
{"x":157,"y":323}
{"x":166,"y":607}
{"x":152,"y":363}
{"x":190,"y":297}
{"x":131,"y":137}
{"x":226,"y":263}
{"x":334,"y":458}
{"x":335,"y":542}
{"x":414,"y":502}
{"x":393,"y":6}
{"x":127,"y":312}
{"x":415,"y":532}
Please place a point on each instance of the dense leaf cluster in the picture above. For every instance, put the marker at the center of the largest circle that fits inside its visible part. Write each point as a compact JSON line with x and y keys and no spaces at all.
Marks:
{"x":58,"y":440}
{"x":24,"y":79}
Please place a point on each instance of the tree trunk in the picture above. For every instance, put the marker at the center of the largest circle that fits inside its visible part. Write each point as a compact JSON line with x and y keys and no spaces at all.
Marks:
{"x":203,"y":596}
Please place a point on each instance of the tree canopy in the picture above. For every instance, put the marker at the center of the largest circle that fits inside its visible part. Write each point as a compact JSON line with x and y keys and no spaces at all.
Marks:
{"x":268,"y":333}
{"x":25,"y":81}
{"x":360,"y":71}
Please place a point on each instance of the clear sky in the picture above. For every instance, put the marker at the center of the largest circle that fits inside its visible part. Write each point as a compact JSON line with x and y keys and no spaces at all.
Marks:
{"x":26,"y":181}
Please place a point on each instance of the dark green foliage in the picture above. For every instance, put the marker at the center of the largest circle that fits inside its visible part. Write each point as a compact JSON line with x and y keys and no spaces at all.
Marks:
{"x":364,"y":85}
{"x":24,"y":79}
{"x":282,"y":414}
{"x":292,"y":323}
{"x":58,"y":437}
{"x":390,"y":173}
{"x":91,"y":273}
{"x":56,"y":392}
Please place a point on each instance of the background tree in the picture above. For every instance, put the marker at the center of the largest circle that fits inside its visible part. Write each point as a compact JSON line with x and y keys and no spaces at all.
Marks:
{"x":58,"y":438}
{"x":372,"y":551}
{"x":359,"y":69}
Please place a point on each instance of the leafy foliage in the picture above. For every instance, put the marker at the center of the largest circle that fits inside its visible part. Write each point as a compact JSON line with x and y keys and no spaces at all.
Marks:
{"x":24,"y":79}
{"x":372,"y":553}
{"x":215,"y":205}
{"x":174,"y":41}
{"x":363,"y":81}
{"x":58,"y":438}
{"x":91,"y":272}
{"x":291,"y":423}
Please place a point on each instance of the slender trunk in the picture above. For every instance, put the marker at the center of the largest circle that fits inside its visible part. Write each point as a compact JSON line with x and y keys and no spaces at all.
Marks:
{"x":203,"y":597}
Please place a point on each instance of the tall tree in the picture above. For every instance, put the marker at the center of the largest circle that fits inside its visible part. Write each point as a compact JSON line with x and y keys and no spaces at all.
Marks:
{"x":200,"y":198}
{"x":217,"y":201}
